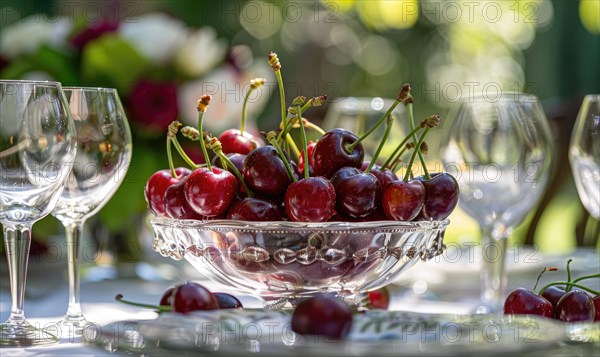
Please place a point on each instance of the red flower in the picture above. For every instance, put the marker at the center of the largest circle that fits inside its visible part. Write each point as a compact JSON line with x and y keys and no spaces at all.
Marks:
{"x":92,"y":32}
{"x":153,"y":104}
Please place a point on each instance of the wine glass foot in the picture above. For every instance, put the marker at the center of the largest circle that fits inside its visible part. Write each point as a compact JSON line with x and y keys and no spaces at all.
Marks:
{"x":23,"y":334}
{"x":73,"y":326}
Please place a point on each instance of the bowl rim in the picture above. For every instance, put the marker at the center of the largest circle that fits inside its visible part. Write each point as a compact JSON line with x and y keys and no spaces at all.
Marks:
{"x":333,"y":226}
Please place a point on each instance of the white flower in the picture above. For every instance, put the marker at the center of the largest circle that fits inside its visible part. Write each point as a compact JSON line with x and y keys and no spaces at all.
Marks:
{"x":228,"y":88}
{"x":28,"y":34}
{"x":155,"y":36}
{"x":200,"y":52}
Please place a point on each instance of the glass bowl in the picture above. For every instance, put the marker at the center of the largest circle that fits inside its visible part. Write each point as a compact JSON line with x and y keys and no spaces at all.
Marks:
{"x":281,"y":261}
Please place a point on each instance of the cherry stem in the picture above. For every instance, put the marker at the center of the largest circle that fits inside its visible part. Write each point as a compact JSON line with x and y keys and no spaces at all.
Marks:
{"x":304,"y":141}
{"x":569,"y":285}
{"x":388,"y":128}
{"x":586,"y":277}
{"x":243,"y":122}
{"x":286,"y":129}
{"x":568,"y":274}
{"x":542,"y":273}
{"x":411,"y":122}
{"x":170,"y":158}
{"x":399,"y":147}
{"x":183,"y":155}
{"x":273,"y":142}
{"x":160,"y":308}
{"x":350,"y":147}
{"x":202,"y":145}
{"x":219,"y":151}
{"x":313,"y":126}
{"x":414,"y":154}
{"x":281,"y":97}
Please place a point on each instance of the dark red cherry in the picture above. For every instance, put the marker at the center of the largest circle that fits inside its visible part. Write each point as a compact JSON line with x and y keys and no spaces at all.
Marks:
{"x":596,"y":301}
{"x":265,"y":172}
{"x":379,"y":299}
{"x":575,"y":306}
{"x":192,"y":296}
{"x":235,"y":142}
{"x":402,"y":201}
{"x":176,"y":205}
{"x":358,"y":194}
{"x":167,"y":298}
{"x":553,"y":294}
{"x":441,"y":196}
{"x":227,"y":301}
{"x":330,"y":153}
{"x":210,"y":192}
{"x":157,"y":186}
{"x":322,"y":315}
{"x":253,"y":209}
{"x":525,"y":302}
{"x":310,"y":200}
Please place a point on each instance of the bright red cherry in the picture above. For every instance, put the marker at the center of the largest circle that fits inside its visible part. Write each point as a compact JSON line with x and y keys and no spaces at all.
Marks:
{"x":322,"y":315}
{"x":310,"y":200}
{"x":238,"y":161}
{"x":265,"y":173}
{"x":253,"y":209}
{"x":210,"y":192}
{"x":192,"y":296}
{"x":575,"y":306}
{"x":379,"y":299}
{"x":310,"y":147}
{"x":157,"y":186}
{"x":385,"y":177}
{"x":358,"y":194}
{"x":176,"y":204}
{"x":525,"y":302}
{"x":330,"y":153}
{"x":553,"y":294}
{"x":167,"y":298}
{"x":234,"y":141}
{"x":402,"y":201}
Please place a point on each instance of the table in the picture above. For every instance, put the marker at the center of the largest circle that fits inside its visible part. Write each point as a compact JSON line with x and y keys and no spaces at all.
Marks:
{"x":449,"y":285}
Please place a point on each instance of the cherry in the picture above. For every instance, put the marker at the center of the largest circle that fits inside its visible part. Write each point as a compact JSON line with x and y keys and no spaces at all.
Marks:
{"x":358,"y":194}
{"x":441,"y":196}
{"x":227,"y":301}
{"x":252,"y":209}
{"x":575,"y":306}
{"x":553,"y":294}
{"x":402,"y":201}
{"x":310,"y":147}
{"x":525,"y":302}
{"x":330,"y":153}
{"x":238,"y":161}
{"x":265,"y":172}
{"x":192,"y":296}
{"x":210,"y":192}
{"x":596,"y":301}
{"x":379,"y":299}
{"x":157,"y":186}
{"x":176,"y":204}
{"x":167,"y":298}
{"x":322,"y":315}
{"x":237,"y":142}
{"x":385,"y":177}
{"x":310,"y":200}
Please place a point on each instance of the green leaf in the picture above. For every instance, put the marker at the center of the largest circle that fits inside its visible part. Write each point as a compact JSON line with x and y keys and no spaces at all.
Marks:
{"x":112,"y":61}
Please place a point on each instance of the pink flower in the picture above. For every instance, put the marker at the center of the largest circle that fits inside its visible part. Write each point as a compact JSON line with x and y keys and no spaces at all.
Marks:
{"x":153,"y":105}
{"x":92,"y":32}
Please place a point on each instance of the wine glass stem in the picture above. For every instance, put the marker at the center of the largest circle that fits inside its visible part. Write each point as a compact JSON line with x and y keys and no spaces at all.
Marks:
{"x":17,"y":240}
{"x":493,"y":277}
{"x":73,"y":233}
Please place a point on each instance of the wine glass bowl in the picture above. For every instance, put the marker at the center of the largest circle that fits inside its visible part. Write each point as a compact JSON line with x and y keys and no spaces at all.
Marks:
{"x":499,"y":151}
{"x":37,"y":148}
{"x":584,"y":154}
{"x":103,"y":157}
{"x":281,"y":261}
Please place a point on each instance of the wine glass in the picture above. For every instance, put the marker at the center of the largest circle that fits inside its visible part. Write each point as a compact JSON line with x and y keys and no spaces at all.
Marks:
{"x":103,"y":157}
{"x":499,"y":150}
{"x":584,"y":154}
{"x":37,"y":148}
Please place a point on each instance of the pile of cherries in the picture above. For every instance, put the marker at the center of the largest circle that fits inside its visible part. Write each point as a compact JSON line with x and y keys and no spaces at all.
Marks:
{"x":255,"y":179}
{"x":573,"y":303}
